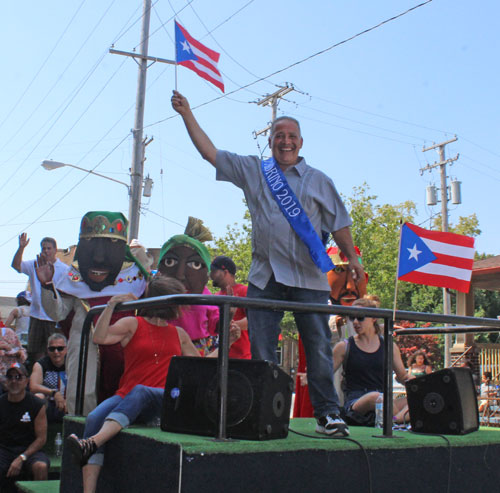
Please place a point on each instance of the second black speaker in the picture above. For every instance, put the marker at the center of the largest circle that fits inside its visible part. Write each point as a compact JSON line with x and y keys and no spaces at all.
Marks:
{"x":443,"y":402}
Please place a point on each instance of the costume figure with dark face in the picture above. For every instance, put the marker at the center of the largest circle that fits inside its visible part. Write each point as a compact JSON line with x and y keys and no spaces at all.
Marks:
{"x":103,"y":267}
{"x":343,"y":291}
{"x":187,"y":259}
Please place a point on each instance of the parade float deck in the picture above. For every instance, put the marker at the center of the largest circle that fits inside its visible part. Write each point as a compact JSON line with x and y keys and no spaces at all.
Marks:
{"x":149,"y":460}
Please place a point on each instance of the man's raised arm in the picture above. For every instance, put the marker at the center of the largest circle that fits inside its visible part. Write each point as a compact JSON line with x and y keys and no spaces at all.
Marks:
{"x":198,"y":136}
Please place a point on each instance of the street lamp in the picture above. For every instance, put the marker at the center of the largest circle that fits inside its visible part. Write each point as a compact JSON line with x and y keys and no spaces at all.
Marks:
{"x":50,"y":165}
{"x":133,"y":209}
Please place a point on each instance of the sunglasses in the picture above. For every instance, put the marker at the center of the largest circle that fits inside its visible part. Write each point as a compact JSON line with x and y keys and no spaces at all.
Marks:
{"x":356,"y":317}
{"x":17,"y":376}
{"x":56,"y":348}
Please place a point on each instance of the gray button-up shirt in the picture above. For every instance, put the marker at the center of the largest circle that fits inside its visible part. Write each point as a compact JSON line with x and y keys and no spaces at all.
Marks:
{"x":276,"y":248}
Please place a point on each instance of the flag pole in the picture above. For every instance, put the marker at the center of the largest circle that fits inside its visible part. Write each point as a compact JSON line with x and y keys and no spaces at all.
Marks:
{"x":175,"y":37}
{"x":397,"y":269}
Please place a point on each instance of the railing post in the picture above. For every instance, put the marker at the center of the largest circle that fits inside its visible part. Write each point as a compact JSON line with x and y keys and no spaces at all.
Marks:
{"x":82,"y":366}
{"x":222,"y":369}
{"x":388,"y":363}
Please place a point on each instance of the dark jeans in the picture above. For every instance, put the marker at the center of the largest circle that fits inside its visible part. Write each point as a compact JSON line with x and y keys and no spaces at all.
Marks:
{"x":264,"y":330}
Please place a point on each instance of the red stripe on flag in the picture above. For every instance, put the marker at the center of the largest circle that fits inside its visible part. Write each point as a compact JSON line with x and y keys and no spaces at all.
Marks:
{"x":189,"y":64}
{"x":460,"y":262}
{"x":435,"y":280}
{"x":206,"y":63}
{"x":452,"y":238}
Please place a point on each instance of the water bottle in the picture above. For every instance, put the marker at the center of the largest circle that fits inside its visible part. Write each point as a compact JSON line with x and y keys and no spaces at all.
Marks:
{"x":379,"y":411}
{"x":58,"y":444}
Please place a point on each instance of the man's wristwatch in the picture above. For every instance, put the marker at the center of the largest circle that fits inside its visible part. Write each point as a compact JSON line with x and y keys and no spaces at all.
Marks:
{"x":53,"y":393}
{"x":23,"y":457}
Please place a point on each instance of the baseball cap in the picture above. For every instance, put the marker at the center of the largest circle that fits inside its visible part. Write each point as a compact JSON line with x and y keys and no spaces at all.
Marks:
{"x":225,"y":263}
{"x":18,"y":367}
{"x":24,"y":294}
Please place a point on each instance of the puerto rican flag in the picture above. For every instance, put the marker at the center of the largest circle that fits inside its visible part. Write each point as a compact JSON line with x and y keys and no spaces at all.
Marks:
{"x":197,"y":57}
{"x":435,"y":258}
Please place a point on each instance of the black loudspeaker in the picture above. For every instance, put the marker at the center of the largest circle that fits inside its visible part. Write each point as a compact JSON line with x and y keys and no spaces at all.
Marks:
{"x":443,"y":402}
{"x":258,"y":401}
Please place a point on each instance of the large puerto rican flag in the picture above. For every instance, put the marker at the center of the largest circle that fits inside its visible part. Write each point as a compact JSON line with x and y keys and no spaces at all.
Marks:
{"x":196,"y":56}
{"x":434,"y":258}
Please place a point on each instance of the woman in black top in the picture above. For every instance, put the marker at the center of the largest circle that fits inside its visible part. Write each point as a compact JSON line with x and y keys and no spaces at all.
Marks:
{"x":362,"y":358}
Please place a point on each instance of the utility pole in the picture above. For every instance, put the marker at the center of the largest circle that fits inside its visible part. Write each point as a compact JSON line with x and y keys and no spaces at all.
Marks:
{"x":138,"y":149}
{"x":137,"y":168}
{"x":272,"y":100}
{"x":444,"y":227}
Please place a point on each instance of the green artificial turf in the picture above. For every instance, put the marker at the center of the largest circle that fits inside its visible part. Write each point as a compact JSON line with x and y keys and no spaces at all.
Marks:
{"x":193,"y":444}
{"x":38,"y":486}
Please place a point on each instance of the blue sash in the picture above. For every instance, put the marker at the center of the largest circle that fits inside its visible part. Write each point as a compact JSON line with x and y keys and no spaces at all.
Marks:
{"x":295,"y":214}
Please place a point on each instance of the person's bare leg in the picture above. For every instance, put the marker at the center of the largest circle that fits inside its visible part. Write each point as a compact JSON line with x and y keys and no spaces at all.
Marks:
{"x":91,"y":472}
{"x":108,"y":430}
{"x":40,"y":471}
{"x":401,"y":412}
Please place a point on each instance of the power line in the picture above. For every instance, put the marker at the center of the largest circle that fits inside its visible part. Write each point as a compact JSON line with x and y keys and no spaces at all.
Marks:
{"x":373,"y":114}
{"x":209,"y":33}
{"x":45,"y":192}
{"x":42,"y":66}
{"x":65,"y":104}
{"x":163,"y":217}
{"x":361,"y":123}
{"x":303,"y":60}
{"x":64,"y":136}
{"x":65,"y":194}
{"x":59,"y":78}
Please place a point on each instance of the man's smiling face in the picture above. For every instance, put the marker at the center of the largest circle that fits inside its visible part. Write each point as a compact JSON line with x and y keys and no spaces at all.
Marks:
{"x":285,"y":143}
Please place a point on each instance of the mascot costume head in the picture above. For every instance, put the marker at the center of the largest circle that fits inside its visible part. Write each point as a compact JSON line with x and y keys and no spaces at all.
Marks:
{"x":103,"y":264}
{"x":343,"y":289}
{"x":186,"y":258}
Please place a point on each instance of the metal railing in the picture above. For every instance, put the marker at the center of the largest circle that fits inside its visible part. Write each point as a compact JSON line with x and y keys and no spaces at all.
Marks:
{"x":225,"y":303}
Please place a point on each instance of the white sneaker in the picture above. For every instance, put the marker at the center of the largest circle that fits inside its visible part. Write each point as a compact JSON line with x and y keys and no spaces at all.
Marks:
{"x":333,"y":425}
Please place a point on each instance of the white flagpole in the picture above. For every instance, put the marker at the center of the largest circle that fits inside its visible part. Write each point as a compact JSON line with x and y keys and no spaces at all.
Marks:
{"x":396,"y":282}
{"x":175,"y":43}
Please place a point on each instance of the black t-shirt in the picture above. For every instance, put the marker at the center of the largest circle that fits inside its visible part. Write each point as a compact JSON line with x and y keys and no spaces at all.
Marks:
{"x":364,"y":371}
{"x":17,"y":420}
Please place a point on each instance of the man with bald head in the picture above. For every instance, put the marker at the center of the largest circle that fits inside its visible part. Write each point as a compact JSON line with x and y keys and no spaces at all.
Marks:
{"x":293,"y":208}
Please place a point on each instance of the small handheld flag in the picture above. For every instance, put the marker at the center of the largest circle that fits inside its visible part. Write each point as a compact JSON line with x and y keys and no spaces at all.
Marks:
{"x":196,"y":56}
{"x":435,"y":258}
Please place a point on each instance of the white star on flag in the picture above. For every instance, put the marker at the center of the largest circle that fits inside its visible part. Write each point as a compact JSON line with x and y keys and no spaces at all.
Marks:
{"x":185,"y":46}
{"x":414,"y":252}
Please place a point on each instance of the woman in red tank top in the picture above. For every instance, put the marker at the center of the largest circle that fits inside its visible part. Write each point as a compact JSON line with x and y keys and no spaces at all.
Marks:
{"x":149,"y":343}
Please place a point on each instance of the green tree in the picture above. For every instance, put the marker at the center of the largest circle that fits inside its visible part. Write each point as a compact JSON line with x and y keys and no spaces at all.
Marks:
{"x":467,"y":225}
{"x":376,"y":230}
{"x":237,"y":244}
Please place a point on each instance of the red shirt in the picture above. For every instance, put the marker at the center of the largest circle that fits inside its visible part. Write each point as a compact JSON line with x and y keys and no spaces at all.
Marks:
{"x":241,"y":348}
{"x":148,"y":355}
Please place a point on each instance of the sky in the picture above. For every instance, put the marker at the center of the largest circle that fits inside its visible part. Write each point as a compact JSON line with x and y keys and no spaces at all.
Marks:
{"x":369,"y":100}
